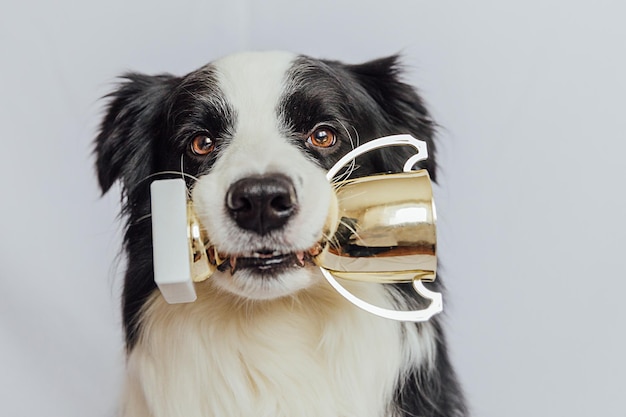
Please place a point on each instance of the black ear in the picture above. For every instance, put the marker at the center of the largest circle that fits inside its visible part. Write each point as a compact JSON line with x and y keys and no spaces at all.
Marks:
{"x":401,"y":106}
{"x":127,"y":133}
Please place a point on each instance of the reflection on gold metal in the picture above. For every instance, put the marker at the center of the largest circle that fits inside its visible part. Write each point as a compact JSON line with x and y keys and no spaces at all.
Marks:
{"x":386,"y":230}
{"x":201,"y":266}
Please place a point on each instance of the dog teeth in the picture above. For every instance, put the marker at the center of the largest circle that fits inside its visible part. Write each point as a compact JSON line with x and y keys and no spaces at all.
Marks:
{"x":300,"y":256}
{"x":233,"y":264}
{"x":315,"y":250}
{"x":231,"y":261}
{"x":261,"y":255}
{"x":264,"y":255}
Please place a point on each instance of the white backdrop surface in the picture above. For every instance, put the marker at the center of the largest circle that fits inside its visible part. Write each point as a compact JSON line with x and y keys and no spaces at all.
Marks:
{"x":530,"y":97}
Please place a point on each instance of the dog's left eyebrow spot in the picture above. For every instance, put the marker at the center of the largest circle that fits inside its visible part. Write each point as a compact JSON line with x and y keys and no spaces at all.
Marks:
{"x":201,"y":105}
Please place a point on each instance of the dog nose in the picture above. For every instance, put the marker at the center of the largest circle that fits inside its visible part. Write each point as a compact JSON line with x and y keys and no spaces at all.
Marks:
{"x":262,"y":203}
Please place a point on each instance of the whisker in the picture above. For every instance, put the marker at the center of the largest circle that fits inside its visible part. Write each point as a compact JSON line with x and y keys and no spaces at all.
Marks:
{"x":332,"y":240}
{"x":354,"y":143}
{"x":337,"y":181}
{"x":350,"y":168}
{"x":350,"y":228}
{"x":183,"y":174}
{"x":358,"y":138}
{"x":142,"y":218}
{"x":182,"y":171}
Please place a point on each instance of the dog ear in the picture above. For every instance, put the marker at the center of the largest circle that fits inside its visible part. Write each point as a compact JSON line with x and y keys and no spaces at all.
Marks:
{"x":124,"y":145}
{"x":401,"y":106}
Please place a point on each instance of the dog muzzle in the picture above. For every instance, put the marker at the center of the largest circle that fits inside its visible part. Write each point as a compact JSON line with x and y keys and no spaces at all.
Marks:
{"x":381,"y":229}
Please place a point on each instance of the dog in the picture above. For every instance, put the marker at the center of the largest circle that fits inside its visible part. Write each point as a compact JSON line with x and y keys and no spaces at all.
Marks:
{"x":253,"y":134}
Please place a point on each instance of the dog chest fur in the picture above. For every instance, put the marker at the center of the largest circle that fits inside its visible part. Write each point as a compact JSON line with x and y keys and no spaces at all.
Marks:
{"x":290,"y":357}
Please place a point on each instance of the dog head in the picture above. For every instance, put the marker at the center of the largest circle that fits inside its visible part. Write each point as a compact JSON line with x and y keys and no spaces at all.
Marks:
{"x":253,"y":134}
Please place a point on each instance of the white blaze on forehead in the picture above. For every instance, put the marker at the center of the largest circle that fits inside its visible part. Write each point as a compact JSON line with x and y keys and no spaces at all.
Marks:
{"x":253,"y":83}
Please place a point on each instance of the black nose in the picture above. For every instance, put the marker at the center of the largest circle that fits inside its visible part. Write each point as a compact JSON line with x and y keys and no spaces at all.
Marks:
{"x":262,"y":203}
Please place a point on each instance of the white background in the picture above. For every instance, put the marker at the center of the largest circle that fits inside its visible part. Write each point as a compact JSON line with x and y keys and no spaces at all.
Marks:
{"x":531,"y":99}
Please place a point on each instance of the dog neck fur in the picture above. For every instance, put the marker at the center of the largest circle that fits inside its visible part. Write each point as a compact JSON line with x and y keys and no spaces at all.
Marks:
{"x":224,"y":356}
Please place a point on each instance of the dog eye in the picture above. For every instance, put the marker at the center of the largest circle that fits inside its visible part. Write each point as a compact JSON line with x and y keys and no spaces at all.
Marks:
{"x":322,"y":137}
{"x":202,"y":144}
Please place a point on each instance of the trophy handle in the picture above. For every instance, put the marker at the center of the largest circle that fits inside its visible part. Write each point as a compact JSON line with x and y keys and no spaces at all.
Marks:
{"x":436,"y":305}
{"x":394,"y":140}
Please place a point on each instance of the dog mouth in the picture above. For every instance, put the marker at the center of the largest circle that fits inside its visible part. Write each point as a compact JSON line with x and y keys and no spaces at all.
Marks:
{"x":268,"y":261}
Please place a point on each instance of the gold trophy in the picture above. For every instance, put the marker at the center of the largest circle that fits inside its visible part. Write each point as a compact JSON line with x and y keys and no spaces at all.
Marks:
{"x":385,"y":230}
{"x":381,"y":230}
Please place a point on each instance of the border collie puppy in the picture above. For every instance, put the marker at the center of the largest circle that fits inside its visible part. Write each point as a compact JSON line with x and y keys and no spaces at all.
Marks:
{"x":253,"y":134}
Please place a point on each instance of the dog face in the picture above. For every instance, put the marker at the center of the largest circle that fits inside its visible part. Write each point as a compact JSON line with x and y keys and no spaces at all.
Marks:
{"x":254,"y":135}
{"x":265,"y":200}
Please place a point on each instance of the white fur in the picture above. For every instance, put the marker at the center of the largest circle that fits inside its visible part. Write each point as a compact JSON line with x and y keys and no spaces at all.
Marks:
{"x":289,"y":346}
{"x":311,"y":354}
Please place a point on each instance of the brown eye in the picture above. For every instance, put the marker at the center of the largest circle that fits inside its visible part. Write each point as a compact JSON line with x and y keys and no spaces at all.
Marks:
{"x":202,"y":144}
{"x":322,"y":137}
